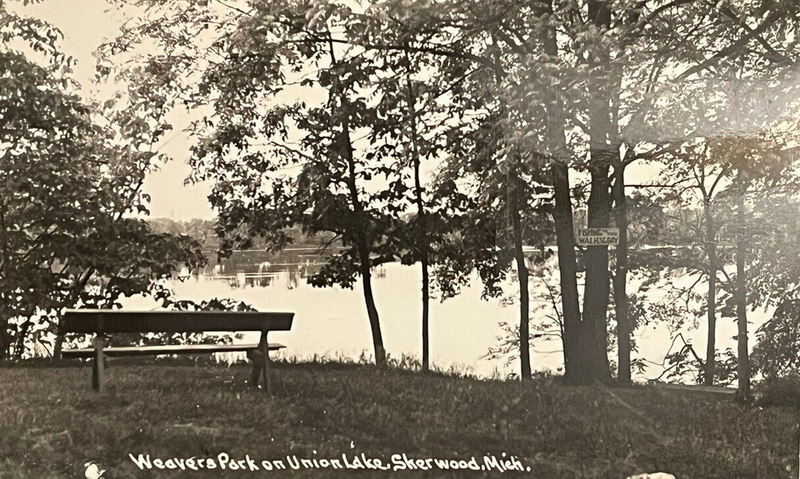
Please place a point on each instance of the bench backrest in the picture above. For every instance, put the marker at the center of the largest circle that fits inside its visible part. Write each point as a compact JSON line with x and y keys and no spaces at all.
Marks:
{"x":117,"y":321}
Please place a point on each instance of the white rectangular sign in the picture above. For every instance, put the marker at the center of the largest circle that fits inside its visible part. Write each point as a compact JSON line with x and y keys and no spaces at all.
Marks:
{"x":597,"y":236}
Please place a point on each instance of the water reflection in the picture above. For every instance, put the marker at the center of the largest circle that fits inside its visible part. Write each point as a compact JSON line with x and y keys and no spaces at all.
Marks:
{"x":332,"y":321}
{"x":258,"y":268}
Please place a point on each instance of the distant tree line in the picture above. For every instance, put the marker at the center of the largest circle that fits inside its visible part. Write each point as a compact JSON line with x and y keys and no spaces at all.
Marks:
{"x":205,"y":233}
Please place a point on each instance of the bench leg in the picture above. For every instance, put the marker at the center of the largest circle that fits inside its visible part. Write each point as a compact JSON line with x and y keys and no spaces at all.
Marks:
{"x":255,"y":372}
{"x":97,"y":371}
{"x":264,"y":346}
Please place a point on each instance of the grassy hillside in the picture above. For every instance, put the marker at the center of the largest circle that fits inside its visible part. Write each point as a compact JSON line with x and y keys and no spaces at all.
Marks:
{"x":51,"y":424}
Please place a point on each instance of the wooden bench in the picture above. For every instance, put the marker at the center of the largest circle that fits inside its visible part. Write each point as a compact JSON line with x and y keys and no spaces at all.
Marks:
{"x":101,"y":322}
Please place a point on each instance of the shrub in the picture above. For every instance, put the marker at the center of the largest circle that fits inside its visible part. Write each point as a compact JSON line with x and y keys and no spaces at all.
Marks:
{"x":778,"y":391}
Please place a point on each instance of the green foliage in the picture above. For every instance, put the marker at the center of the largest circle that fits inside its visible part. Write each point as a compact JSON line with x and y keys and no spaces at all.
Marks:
{"x":547,"y":323}
{"x":297,"y":163}
{"x":70,"y":183}
{"x":774,"y":271}
{"x":47,"y":174}
{"x":777,"y":350}
{"x":682,"y":367}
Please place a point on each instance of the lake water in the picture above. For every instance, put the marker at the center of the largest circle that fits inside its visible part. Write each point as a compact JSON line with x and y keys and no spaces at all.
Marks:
{"x":333,"y":321}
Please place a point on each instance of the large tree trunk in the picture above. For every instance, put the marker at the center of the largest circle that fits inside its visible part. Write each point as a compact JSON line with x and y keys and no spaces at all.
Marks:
{"x":621,"y":279}
{"x":743,"y":364}
{"x":513,"y":205}
{"x":597,"y":289}
{"x":594,"y":335}
{"x":585,"y":339}
{"x":711,"y":295}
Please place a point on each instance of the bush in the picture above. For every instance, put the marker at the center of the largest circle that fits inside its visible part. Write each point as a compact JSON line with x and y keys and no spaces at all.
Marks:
{"x":778,"y":391}
{"x":777,"y":349}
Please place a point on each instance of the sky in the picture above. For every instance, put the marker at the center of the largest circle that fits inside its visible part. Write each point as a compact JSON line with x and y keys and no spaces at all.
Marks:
{"x":85,"y":25}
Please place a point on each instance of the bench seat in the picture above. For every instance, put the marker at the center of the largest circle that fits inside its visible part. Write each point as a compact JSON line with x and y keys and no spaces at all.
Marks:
{"x":166,"y":349}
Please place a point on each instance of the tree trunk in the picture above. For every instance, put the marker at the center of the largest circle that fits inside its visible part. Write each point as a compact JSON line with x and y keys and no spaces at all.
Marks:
{"x":363,"y":241}
{"x":513,"y":205}
{"x":362,"y":234}
{"x":366,"y":279}
{"x":22,"y":333}
{"x":372,"y":313}
{"x":574,"y":356}
{"x":743,"y":363}
{"x":5,"y":339}
{"x":5,"y":259}
{"x":594,"y":335}
{"x":601,"y":155}
{"x":366,"y":275}
{"x":426,"y":356}
{"x":422,"y":232}
{"x":711,"y":296}
{"x":624,"y":328}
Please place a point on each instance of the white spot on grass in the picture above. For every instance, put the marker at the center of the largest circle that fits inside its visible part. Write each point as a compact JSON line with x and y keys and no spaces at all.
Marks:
{"x":93,"y":471}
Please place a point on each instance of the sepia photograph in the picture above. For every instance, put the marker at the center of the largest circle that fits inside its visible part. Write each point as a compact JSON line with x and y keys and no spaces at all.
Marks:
{"x":411,"y":238}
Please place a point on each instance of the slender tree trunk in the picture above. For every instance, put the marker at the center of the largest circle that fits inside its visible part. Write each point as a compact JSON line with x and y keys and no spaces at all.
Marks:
{"x":422,"y":232}
{"x":363,"y":245}
{"x":19,"y":340}
{"x":621,"y":279}
{"x":574,"y":356}
{"x":372,"y":313}
{"x":362,"y":234}
{"x":426,"y":355}
{"x":524,"y":313}
{"x":513,"y":205}
{"x":5,"y":259}
{"x":365,"y":262}
{"x":366,"y":280}
{"x":711,"y":295}
{"x":743,"y":363}
{"x":5,"y":338}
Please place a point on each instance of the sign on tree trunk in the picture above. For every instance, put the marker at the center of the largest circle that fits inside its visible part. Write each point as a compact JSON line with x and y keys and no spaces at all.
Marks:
{"x":598,"y":236}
